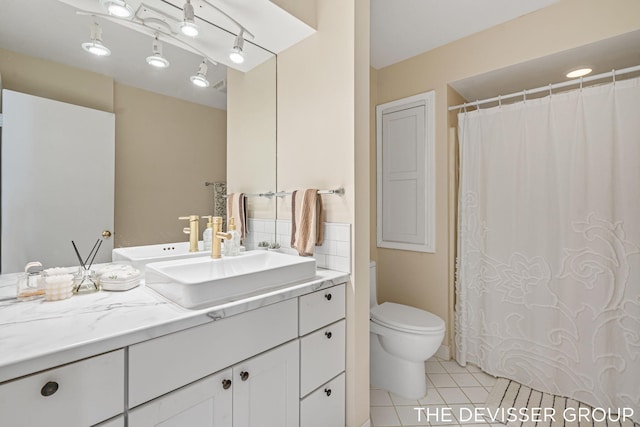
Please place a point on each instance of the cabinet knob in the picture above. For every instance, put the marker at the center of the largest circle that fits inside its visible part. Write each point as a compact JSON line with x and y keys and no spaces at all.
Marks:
{"x":244,"y":375}
{"x":328,"y":335}
{"x":328,"y":297}
{"x":226,"y":384}
{"x":49,"y":388}
{"x":327,"y":391}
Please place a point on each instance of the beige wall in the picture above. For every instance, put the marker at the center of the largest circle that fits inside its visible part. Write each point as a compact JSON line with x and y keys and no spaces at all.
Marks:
{"x":426,"y":280}
{"x":251,"y":136}
{"x":39,"y":77}
{"x":166,"y":148}
{"x":323,"y":142}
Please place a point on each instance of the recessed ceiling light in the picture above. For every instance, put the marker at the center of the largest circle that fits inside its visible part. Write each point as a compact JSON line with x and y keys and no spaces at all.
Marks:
{"x":580,"y":72}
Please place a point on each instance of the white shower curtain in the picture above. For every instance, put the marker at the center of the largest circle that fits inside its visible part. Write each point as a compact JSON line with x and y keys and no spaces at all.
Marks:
{"x":548,"y":273}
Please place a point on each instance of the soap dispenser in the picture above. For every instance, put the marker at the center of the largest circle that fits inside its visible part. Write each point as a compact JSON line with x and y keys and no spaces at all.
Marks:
{"x":232,"y":246}
{"x":207,"y":236}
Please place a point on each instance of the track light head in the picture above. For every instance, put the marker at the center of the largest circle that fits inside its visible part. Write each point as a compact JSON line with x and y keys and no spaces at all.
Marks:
{"x":156,"y":59}
{"x":188,"y":25}
{"x":237,"y":53}
{"x":118,"y":8}
{"x":95,"y":46}
{"x":200,"y":78}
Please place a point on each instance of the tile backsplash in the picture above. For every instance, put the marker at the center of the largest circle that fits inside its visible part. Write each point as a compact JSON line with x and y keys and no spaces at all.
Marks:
{"x":334,"y":253}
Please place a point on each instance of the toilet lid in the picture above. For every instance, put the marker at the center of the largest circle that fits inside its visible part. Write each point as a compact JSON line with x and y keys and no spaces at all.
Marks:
{"x":404,"y":317}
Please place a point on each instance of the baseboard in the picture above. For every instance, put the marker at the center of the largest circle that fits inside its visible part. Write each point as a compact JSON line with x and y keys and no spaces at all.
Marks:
{"x":366,"y":424}
{"x":444,"y":352}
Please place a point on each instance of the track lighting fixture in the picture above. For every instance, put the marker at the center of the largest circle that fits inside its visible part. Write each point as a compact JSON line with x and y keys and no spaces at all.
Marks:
{"x":237,"y":54}
{"x":118,"y":8}
{"x":200,"y":78}
{"x":188,"y":25}
{"x":95,"y":46}
{"x":157,"y":60}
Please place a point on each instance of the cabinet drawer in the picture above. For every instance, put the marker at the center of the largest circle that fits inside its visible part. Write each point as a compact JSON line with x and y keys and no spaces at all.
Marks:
{"x":163,"y":364}
{"x":322,"y":356}
{"x":321,"y":308}
{"x":325,"y":406}
{"x":78,"y":394}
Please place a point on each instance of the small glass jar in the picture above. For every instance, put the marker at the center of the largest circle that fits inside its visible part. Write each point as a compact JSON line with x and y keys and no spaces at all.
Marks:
{"x":85,"y":281}
{"x":30,"y":284}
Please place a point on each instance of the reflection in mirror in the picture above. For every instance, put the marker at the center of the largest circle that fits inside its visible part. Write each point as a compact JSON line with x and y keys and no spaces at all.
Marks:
{"x":170,"y":137}
{"x":252,"y":143}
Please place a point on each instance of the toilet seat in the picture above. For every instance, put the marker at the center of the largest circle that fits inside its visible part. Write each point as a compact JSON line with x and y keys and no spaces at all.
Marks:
{"x":406,"y":318}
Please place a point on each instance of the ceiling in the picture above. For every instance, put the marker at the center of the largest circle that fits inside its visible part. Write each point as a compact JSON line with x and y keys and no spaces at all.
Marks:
{"x":400,"y":29}
{"x":51,"y":29}
{"x":614,"y":53}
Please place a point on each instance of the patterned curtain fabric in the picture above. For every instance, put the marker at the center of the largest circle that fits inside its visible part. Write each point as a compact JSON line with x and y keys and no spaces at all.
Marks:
{"x":548,"y":277}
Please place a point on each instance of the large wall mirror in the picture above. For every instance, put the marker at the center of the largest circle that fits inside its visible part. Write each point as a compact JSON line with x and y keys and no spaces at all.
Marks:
{"x":170,"y":136}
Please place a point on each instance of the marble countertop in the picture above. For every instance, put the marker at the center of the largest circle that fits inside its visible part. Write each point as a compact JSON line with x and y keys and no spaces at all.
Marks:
{"x":37,"y":335}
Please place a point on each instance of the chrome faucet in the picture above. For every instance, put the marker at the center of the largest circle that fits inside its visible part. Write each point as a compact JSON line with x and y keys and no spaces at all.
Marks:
{"x":192,"y":231}
{"x":217,"y":236}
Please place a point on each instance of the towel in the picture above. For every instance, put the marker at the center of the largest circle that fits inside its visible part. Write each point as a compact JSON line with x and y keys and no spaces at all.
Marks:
{"x":307,"y":221}
{"x":236,"y":209}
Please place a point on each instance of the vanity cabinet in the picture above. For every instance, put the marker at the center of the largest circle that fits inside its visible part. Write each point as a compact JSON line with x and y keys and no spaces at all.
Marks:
{"x":281,"y":365}
{"x":79,"y":394}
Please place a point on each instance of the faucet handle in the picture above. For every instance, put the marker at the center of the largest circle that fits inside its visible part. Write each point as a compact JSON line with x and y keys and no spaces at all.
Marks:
{"x":190,"y":217}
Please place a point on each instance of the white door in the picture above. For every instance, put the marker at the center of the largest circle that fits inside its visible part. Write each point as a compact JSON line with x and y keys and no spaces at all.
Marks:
{"x":57,"y":181}
{"x":205,"y":403}
{"x":266,"y":389}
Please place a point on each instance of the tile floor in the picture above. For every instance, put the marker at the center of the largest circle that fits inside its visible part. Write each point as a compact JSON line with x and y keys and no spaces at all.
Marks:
{"x":449,"y":385}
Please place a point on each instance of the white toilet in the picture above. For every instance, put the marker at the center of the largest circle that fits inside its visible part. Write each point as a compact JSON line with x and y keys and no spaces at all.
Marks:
{"x":402,"y":338}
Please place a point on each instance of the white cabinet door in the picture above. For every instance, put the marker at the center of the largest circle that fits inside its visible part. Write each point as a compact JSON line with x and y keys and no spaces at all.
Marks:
{"x":266,"y":387}
{"x":406,"y":174}
{"x":57,"y":181}
{"x":205,"y":403}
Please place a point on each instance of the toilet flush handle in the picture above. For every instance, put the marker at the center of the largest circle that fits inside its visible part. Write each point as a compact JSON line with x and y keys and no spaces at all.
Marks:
{"x":328,"y":297}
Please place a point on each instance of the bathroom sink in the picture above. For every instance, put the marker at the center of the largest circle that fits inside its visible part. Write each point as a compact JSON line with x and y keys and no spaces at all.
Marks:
{"x":139,"y":256}
{"x":203,"y":282}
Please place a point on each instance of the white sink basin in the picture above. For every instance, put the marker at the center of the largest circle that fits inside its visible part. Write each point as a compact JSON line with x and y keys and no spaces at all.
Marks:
{"x":203,"y":282}
{"x":139,"y":256}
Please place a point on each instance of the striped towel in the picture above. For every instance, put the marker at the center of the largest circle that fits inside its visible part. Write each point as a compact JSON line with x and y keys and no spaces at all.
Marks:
{"x":237,"y":210}
{"x":307,"y":221}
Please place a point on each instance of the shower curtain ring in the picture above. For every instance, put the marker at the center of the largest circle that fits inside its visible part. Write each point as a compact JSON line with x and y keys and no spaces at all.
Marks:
{"x":524,"y":95}
{"x":580,"y":83}
{"x":613,"y":74}
{"x":499,"y":100}
{"x":550,"y":89}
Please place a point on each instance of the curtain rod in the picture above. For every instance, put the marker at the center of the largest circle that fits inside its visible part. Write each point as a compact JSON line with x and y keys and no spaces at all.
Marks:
{"x":550,"y":87}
